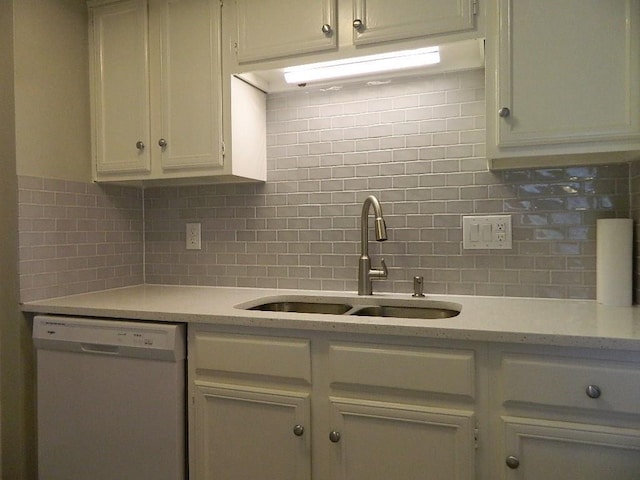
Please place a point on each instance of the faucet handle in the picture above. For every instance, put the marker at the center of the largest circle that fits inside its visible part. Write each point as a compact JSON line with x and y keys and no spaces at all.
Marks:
{"x":379,"y":274}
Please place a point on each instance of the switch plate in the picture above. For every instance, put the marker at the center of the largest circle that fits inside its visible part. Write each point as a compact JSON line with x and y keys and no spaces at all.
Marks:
{"x":193,"y":237}
{"x":481,"y":232}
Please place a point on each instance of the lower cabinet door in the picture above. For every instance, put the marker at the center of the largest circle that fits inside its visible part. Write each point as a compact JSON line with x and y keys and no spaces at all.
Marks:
{"x":382,"y":441}
{"x":538,"y":449}
{"x":251,"y":433}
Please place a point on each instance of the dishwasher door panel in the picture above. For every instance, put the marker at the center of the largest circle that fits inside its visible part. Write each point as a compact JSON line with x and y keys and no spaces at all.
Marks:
{"x":105,"y":417}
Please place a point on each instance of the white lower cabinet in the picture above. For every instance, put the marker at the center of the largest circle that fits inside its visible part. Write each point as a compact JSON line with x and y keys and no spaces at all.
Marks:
{"x":382,"y":440}
{"x":251,"y":406}
{"x":247,"y":432}
{"x":565,"y":414}
{"x":560,"y":450}
{"x":401,"y":411}
{"x":286,"y":407}
{"x":299,"y":405}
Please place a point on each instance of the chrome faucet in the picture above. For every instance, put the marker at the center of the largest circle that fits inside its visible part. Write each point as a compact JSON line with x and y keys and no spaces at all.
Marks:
{"x":365,"y":273}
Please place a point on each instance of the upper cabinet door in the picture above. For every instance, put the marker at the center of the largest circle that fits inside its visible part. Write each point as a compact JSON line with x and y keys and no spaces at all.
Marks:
{"x":278,"y":28}
{"x":191,"y":121}
{"x":563,"y":77}
{"x":383,"y":20}
{"x":120,"y":87}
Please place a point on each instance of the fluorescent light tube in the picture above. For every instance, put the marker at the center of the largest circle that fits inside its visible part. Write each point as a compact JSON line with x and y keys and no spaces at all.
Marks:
{"x":385,"y":62}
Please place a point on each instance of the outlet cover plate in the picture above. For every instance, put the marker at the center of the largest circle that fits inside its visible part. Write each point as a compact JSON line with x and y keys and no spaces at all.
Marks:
{"x":193,"y":236}
{"x":486,"y":232}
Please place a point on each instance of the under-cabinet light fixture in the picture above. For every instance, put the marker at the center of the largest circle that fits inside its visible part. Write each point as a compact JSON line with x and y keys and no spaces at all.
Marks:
{"x":385,"y":62}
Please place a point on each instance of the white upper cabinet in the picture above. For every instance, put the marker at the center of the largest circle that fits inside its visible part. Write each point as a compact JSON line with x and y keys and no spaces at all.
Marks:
{"x":190,"y":81}
{"x":269,"y":33}
{"x":563,"y":82}
{"x":121,"y":130}
{"x":159,"y":97}
{"x":275,"y":28}
{"x":382,"y":20}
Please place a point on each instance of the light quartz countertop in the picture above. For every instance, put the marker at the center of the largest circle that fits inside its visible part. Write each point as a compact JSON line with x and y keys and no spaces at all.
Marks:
{"x":578,"y":323}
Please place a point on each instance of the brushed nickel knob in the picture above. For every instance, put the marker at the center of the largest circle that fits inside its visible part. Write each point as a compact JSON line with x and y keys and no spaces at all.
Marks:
{"x":298,"y":430}
{"x":504,"y":112}
{"x":358,"y":24}
{"x":326,"y":29}
{"x":140,"y":145}
{"x":593,"y":391}
{"x":162,"y":143}
{"x":512,"y":462}
{"x":334,"y":436}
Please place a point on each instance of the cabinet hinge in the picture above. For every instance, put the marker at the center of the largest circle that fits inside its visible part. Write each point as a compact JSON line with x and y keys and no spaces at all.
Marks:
{"x":475,"y":7}
{"x":475,"y":436}
{"x":222,"y":149}
{"x":222,"y":3}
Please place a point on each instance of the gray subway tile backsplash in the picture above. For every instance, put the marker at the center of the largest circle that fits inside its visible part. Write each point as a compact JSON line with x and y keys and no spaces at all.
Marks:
{"x":418,"y":144}
{"x":76,"y":237}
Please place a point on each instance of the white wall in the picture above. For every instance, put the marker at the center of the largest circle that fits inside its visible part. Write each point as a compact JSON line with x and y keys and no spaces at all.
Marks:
{"x":11,"y":417}
{"x":44,"y":130}
{"x":52,"y":89}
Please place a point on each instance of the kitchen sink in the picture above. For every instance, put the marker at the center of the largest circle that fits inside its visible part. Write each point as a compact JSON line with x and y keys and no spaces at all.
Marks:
{"x":406,"y":312}
{"x":303,"y":307}
{"x":358,"y":306}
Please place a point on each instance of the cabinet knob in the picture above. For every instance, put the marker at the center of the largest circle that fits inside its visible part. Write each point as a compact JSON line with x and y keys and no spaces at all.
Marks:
{"x":504,"y":112}
{"x":334,"y":436}
{"x":162,"y":143}
{"x":326,"y":29}
{"x":358,"y":24}
{"x":140,"y":145}
{"x":593,"y":391}
{"x":512,"y":462}
{"x":298,"y":430}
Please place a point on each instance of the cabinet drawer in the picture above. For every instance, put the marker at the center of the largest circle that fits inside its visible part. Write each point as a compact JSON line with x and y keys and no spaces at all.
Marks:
{"x":252,"y":355}
{"x":563,"y":382}
{"x":426,"y":370}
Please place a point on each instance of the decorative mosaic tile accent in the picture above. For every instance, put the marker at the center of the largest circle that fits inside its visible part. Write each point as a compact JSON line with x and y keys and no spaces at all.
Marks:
{"x":77,"y":237}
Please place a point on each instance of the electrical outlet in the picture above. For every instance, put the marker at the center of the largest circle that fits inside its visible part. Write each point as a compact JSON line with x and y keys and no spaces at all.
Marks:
{"x":193,"y":237}
{"x":486,"y":232}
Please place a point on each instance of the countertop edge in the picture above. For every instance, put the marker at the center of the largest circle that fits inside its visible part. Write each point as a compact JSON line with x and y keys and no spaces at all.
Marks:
{"x":80,"y":305}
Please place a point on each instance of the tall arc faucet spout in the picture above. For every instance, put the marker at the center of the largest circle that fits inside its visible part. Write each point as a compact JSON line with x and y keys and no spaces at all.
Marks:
{"x":365,"y":273}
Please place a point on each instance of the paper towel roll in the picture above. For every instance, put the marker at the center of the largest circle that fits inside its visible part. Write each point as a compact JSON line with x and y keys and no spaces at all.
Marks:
{"x":614,"y":261}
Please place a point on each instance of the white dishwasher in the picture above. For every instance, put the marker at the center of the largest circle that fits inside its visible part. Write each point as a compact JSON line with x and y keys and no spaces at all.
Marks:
{"x":110,"y":399}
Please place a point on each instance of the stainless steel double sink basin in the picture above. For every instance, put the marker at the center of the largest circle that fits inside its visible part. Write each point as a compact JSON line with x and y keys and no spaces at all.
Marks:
{"x":419,"y":308}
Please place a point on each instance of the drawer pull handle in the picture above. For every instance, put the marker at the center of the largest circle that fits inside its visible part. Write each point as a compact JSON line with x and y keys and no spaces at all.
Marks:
{"x":334,"y":436}
{"x":298,"y":430}
{"x":593,"y":391}
{"x":512,"y":462}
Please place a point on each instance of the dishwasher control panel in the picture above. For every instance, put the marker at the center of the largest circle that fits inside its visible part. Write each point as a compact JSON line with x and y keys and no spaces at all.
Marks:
{"x":154,"y":340}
